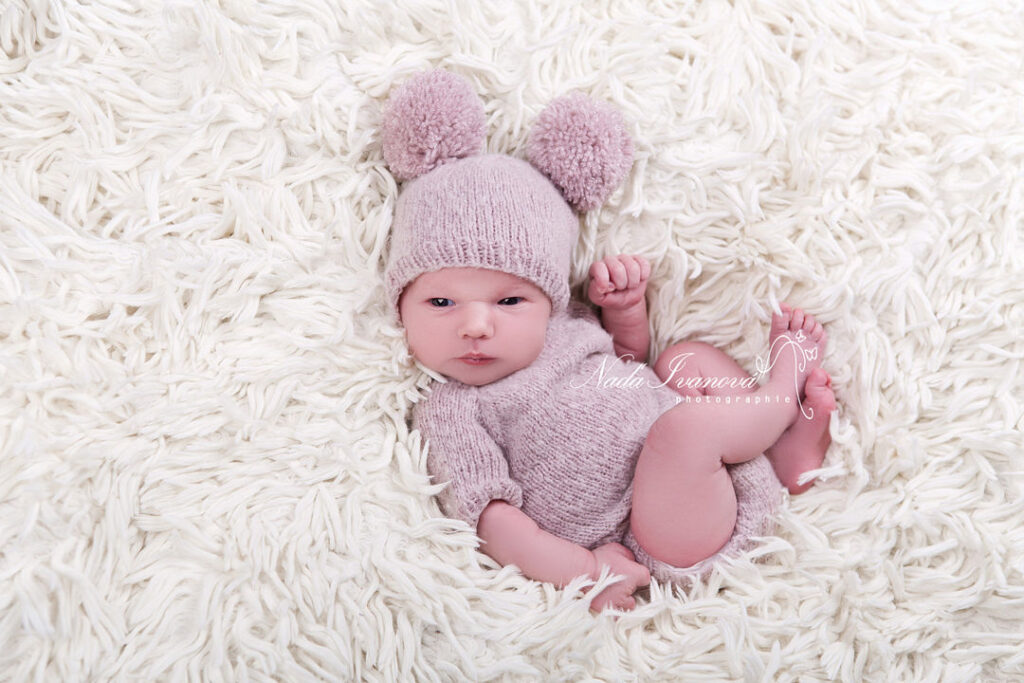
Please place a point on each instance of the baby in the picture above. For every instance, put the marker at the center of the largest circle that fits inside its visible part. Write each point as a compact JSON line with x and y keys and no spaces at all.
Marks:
{"x":563,"y":448}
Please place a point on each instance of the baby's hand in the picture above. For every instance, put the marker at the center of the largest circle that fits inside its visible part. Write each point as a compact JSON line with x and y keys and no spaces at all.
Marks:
{"x":620,"y":561}
{"x":618,"y":281}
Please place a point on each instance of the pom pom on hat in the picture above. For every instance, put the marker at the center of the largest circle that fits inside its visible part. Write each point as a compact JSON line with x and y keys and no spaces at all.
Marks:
{"x":432,"y":119}
{"x":583,"y":147}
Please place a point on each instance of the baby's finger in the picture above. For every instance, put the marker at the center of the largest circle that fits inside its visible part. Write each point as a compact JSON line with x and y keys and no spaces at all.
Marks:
{"x":621,"y":550}
{"x":617,"y":272}
{"x":644,"y":576}
{"x":632,"y":271}
{"x":599,"y":275}
{"x":645,"y":268}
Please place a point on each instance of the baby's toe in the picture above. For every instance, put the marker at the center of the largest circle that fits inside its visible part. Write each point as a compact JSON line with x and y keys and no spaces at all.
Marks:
{"x":781,"y":321}
{"x":809,"y":322}
{"x":797,"y":321}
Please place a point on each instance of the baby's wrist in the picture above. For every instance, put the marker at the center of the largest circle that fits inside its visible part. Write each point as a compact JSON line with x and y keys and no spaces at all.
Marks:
{"x":630,"y":313}
{"x":627,"y":324}
{"x":593,"y":565}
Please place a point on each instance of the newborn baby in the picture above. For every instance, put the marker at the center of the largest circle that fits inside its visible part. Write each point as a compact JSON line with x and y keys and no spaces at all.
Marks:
{"x":563,"y":448}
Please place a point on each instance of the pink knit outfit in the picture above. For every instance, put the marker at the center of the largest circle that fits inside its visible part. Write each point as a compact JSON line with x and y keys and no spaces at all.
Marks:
{"x":560,"y":440}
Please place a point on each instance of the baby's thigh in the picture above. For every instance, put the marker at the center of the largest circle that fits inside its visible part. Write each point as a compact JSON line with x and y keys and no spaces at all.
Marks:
{"x":684,"y":503}
{"x":696,"y":368}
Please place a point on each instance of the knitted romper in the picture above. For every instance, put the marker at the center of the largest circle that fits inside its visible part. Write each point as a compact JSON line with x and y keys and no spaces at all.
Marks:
{"x":560,"y":440}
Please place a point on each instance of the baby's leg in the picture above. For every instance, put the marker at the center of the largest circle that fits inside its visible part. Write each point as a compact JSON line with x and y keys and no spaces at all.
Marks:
{"x":802,"y":447}
{"x":684,"y":505}
{"x":697,"y":369}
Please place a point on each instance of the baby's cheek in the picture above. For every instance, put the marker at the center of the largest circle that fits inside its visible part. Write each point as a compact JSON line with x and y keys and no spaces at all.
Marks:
{"x":421,"y":344}
{"x":422,"y":348}
{"x":533,"y":339}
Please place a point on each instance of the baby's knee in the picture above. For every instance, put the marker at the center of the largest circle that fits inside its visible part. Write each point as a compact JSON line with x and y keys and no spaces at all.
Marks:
{"x":681,"y":361}
{"x":674,"y":427}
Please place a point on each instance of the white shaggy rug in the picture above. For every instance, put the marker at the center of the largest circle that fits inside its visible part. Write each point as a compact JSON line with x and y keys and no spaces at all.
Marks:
{"x":206,"y":471}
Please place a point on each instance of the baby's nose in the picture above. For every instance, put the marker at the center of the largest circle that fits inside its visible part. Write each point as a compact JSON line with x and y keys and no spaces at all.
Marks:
{"x":477,"y":322}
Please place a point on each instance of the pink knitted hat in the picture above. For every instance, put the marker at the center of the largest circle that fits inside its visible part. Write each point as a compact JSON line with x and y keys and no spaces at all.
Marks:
{"x":494,"y":211}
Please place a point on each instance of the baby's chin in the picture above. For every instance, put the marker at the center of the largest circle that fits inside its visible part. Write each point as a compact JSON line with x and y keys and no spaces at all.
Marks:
{"x":481,"y":375}
{"x":477,"y":379}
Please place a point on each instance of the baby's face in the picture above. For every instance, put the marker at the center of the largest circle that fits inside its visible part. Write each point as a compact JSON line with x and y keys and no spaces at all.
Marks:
{"x":474,"y":325}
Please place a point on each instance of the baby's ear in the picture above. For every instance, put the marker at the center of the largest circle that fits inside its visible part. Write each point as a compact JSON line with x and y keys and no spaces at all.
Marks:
{"x":433,"y":118}
{"x":584,"y":148}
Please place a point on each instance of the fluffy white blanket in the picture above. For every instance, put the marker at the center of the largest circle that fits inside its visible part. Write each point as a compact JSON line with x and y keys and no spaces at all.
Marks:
{"x":205,"y":465}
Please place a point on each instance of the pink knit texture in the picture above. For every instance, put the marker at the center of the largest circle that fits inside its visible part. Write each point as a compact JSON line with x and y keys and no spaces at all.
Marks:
{"x":464,"y":209}
{"x":582,"y":145}
{"x":562,"y":445}
{"x":432,"y":119}
{"x":485,"y":211}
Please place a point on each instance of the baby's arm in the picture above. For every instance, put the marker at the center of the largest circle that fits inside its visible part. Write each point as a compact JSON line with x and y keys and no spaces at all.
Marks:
{"x":464,"y":453}
{"x":617,"y":285}
{"x":511,"y":537}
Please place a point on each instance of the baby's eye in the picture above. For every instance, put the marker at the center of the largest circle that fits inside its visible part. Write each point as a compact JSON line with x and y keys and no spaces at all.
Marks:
{"x":441,"y":302}
{"x":510,"y":301}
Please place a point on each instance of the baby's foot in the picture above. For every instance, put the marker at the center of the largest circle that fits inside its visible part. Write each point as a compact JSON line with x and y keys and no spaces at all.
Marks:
{"x":802,"y":447}
{"x":796,"y":345}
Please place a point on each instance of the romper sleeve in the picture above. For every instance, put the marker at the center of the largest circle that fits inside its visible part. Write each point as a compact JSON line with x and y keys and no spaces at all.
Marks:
{"x":462,"y":452}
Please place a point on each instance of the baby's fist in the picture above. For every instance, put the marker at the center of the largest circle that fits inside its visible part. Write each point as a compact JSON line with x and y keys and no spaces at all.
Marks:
{"x":618,"y":281}
{"x":620,"y":561}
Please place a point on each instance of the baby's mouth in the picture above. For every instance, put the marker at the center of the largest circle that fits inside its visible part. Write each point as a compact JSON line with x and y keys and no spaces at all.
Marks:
{"x":476,"y":359}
